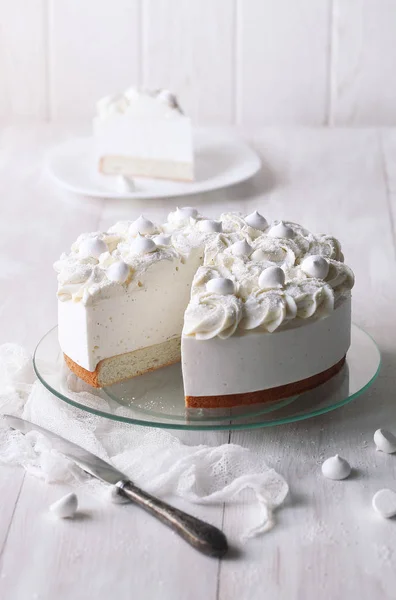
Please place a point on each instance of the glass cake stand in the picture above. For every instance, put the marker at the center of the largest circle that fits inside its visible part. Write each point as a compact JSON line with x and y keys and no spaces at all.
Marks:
{"x":157,"y":400}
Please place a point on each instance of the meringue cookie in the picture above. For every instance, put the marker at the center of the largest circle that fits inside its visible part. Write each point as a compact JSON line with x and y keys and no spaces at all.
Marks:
{"x":182,"y":216}
{"x":315,"y":266}
{"x":272,"y":277}
{"x":384,"y":503}
{"x":336,"y":468}
{"x":162,"y":239}
{"x":385,"y":441}
{"x":186,"y":212}
{"x":124,"y":185}
{"x":167,"y":97}
{"x":66,"y":507}
{"x":143,"y":245}
{"x":281,"y":231}
{"x":220,"y":285}
{"x":241,"y":248}
{"x":92,"y":246}
{"x":209,"y":226}
{"x":142,"y":226}
{"x":118,"y":272}
{"x":256,"y":221}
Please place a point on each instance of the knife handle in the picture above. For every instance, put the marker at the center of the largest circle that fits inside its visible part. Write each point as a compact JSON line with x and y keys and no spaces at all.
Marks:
{"x":204,"y":537}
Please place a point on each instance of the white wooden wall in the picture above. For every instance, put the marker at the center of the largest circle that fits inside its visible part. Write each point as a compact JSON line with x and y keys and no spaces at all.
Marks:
{"x":250,"y":62}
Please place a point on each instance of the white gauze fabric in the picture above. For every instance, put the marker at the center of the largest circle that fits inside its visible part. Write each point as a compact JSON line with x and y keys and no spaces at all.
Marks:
{"x":154,"y":459}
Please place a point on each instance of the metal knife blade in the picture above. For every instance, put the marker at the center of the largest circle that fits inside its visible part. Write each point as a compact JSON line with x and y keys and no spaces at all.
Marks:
{"x":91,"y":463}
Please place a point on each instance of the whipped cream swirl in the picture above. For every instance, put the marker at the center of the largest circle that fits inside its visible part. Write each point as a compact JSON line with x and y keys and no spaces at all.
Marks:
{"x":240,"y":256}
{"x":209,"y":315}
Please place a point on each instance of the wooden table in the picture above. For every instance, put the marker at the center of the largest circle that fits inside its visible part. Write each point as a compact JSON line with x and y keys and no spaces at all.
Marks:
{"x":328,"y":543}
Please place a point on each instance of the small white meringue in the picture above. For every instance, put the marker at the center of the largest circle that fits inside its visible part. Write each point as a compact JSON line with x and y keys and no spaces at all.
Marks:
{"x":142,"y":226}
{"x":241,"y":248}
{"x":315,"y":266}
{"x":186,"y":212}
{"x":167,"y":97}
{"x":210,"y":226}
{"x":385,"y":441}
{"x":162,"y":239}
{"x":280,"y":230}
{"x":66,"y":507}
{"x":384,"y":503}
{"x":336,"y":468}
{"x":220,"y":285}
{"x":118,"y":272}
{"x":256,"y":221}
{"x":143,"y":245}
{"x":92,"y":246}
{"x":123,"y":184}
{"x":271,"y":277}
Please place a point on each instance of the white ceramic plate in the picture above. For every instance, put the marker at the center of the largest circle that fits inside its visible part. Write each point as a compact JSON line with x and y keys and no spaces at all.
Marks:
{"x":221,"y":160}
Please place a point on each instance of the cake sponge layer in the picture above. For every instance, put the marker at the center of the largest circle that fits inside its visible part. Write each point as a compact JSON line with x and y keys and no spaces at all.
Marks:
{"x":128,"y":365}
{"x":144,"y":167}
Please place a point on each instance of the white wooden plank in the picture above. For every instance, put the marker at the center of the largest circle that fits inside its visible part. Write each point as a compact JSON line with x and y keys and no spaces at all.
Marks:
{"x":110,"y":550}
{"x":94,"y":51}
{"x":364,"y":63}
{"x":188,"y":48}
{"x":282,"y":62}
{"x":23,"y":58}
{"x":328,"y":542}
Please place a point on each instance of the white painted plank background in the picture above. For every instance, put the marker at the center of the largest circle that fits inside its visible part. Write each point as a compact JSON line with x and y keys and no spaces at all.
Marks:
{"x":189,"y":42}
{"x":282,"y":61}
{"x":364,"y":62}
{"x":94,"y":50}
{"x":23,"y":55}
{"x":250,"y":62}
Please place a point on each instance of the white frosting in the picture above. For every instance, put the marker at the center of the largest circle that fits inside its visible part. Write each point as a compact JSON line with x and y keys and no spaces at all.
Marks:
{"x":271,"y":277}
{"x":384,"y":503}
{"x":385,"y":441}
{"x":108,"y":269}
{"x":209,"y":315}
{"x":280,"y":230}
{"x":142,"y":226}
{"x":336,"y":468}
{"x":315,"y":266}
{"x":66,"y":507}
{"x":220,"y":285}
{"x":118,"y":272}
{"x":139,"y":103}
{"x":257,"y":221}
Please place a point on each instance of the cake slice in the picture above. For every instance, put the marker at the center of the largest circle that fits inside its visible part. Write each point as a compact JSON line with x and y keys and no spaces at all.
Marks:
{"x":143,"y":134}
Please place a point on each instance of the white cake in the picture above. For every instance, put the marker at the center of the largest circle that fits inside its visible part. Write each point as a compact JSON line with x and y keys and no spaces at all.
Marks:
{"x":260,"y":310}
{"x":143,"y":134}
